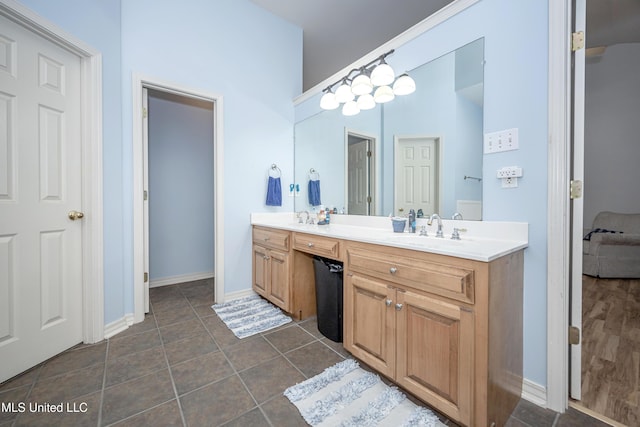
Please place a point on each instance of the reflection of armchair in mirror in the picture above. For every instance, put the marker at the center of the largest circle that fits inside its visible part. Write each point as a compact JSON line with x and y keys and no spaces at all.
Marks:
{"x":437,"y":130}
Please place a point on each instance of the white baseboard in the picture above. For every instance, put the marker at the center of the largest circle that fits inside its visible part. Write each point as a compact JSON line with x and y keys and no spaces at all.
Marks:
{"x":118,"y":326}
{"x":236,"y":295}
{"x":183,"y":278}
{"x":534,"y":393}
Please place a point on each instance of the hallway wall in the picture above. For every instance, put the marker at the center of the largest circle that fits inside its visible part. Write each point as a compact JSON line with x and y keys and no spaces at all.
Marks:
{"x":181,"y":193}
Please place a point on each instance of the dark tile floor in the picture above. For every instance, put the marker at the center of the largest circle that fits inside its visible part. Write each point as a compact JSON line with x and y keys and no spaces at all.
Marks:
{"x":182,"y":366}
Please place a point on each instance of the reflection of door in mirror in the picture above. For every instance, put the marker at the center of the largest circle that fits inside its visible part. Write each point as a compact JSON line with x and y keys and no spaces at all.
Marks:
{"x":416,"y":170}
{"x":360,"y":172}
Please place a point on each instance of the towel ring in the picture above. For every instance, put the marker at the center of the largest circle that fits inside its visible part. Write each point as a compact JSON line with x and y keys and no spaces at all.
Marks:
{"x":313,"y":174}
{"x":275,"y":170}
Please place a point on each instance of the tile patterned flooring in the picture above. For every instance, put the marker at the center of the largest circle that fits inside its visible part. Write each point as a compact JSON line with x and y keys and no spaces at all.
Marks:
{"x":182,"y":366}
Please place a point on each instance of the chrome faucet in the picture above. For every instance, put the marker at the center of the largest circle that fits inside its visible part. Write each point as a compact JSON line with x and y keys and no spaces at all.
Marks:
{"x":436,"y":216}
{"x":456,"y":215}
{"x":306,"y":221}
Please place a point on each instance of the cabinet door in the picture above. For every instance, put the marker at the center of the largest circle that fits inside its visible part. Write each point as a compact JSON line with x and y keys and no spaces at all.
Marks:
{"x":260,"y":270}
{"x":369,"y":322}
{"x":435,"y":353}
{"x":279,"y":288}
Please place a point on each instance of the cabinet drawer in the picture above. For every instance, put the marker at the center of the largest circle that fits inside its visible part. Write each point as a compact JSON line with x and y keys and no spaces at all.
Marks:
{"x":271,"y":238}
{"x":317,"y":245}
{"x":411,"y":270}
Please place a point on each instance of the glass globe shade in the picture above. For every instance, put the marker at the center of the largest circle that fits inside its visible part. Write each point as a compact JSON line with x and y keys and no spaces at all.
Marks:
{"x":383,"y":94}
{"x":366,"y":102}
{"x":350,"y":108}
{"x":404,"y":85}
{"x":328,"y":101}
{"x":361,"y":85}
{"x":344,"y":94}
{"x":382,"y":75}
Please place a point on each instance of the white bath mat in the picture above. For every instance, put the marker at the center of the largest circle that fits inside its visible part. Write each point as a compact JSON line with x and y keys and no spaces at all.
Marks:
{"x":347,"y":395}
{"x":250,"y":315}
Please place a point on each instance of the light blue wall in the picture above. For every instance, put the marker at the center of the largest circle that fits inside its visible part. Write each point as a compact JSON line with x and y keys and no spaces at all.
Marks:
{"x":181,"y":234}
{"x":228,"y":47}
{"x":97,"y":23}
{"x":515,"y":96}
{"x":254,"y":60}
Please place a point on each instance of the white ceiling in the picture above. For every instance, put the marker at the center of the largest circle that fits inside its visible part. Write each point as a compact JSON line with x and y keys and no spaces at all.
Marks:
{"x":337,"y":33}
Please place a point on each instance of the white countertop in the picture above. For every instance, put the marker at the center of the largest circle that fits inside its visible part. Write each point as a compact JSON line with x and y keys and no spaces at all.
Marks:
{"x":479,"y":240}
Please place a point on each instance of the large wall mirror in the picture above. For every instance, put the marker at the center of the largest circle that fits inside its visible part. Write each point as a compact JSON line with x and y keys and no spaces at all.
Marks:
{"x":421,"y":151}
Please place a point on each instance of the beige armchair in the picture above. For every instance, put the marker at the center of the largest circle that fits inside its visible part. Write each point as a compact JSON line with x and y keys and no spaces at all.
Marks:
{"x":613,"y":246}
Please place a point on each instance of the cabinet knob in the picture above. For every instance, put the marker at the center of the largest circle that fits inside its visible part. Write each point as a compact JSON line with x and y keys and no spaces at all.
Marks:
{"x":265,"y":257}
{"x":398,"y":307}
{"x":310,"y":244}
{"x":388,"y":302}
{"x":393,"y":270}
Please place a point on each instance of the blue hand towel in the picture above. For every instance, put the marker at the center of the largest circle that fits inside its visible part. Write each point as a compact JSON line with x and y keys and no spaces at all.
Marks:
{"x":314,"y":192}
{"x":274,"y":192}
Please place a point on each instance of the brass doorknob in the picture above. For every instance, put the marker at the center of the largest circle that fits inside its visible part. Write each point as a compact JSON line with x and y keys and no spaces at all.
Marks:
{"x":73,"y":215}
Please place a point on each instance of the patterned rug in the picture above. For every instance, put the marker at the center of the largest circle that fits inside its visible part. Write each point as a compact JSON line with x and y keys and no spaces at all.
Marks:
{"x":250,"y":315}
{"x":347,"y":395}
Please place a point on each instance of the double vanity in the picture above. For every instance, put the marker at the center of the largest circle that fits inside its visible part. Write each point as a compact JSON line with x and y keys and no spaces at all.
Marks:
{"x":442,"y":318}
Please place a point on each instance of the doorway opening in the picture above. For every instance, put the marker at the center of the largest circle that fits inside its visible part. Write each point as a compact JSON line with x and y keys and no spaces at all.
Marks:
{"x":187,"y":188}
{"x":605,"y":379}
{"x":360,"y":186}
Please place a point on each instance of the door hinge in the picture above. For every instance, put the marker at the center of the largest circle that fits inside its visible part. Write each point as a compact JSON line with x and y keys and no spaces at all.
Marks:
{"x":368,"y":199}
{"x":144,"y":112}
{"x":145,"y":195}
{"x":574,"y":335}
{"x":146,"y":277}
{"x":368,"y":153}
{"x":575,"y":189}
{"x":577,"y":40}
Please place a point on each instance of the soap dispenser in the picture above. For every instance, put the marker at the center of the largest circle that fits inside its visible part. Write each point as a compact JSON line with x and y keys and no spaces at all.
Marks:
{"x":412,"y":221}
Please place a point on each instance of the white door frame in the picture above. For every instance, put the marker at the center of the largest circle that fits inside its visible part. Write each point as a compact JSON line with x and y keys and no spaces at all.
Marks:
{"x":91,"y":143}
{"x":139,"y":81}
{"x":577,"y":204}
{"x":558,"y":210}
{"x":373,"y":168}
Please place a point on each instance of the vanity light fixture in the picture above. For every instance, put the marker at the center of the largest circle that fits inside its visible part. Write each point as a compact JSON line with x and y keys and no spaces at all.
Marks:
{"x":371,"y":84}
{"x":404,"y":85}
{"x":343,"y":93}
{"x":328,"y":101}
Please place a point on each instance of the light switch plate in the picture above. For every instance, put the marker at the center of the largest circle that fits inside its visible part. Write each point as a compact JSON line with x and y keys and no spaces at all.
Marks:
{"x":503,"y":140}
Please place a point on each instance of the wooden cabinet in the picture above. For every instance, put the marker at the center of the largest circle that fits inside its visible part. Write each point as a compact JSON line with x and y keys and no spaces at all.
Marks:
{"x":271,"y":272}
{"x":431,"y":324}
{"x":446,"y":329}
{"x":275,"y":276}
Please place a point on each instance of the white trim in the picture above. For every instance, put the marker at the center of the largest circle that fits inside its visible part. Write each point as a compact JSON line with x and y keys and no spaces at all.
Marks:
{"x":184,"y":278}
{"x":558,"y":212}
{"x":117,"y":326}
{"x":239,"y":294}
{"x":440,"y":16}
{"x":91,"y":119}
{"x":534,"y":393}
{"x":138,"y":82}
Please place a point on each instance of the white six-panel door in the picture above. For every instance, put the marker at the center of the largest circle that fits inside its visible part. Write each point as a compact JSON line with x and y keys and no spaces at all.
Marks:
{"x":416,"y":175}
{"x":40,"y":188}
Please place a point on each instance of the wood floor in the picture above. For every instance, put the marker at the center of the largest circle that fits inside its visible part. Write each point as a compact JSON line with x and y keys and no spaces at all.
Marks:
{"x":611,"y":348}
